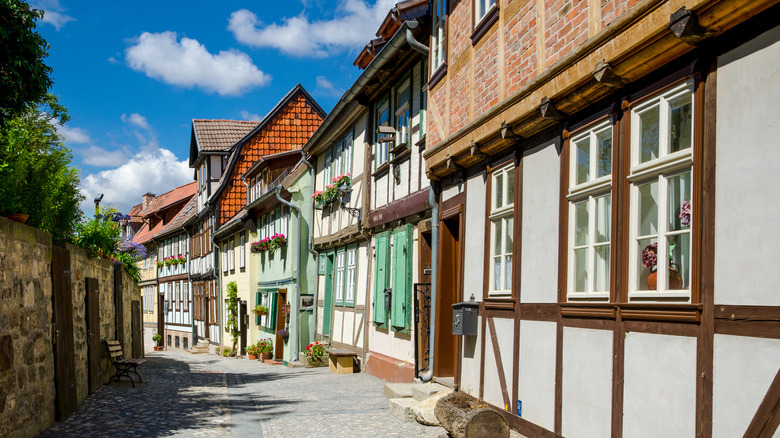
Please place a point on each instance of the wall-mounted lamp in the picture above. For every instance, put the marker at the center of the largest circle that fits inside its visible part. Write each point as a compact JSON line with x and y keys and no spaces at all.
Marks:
{"x":345,"y":195}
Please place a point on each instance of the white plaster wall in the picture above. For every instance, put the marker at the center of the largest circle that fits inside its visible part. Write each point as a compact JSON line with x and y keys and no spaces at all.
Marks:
{"x":493,"y":394}
{"x":587,"y":383}
{"x":401,"y":189}
{"x":475,"y":232}
{"x":470,"y":362}
{"x":451,"y":191}
{"x":744,"y":368}
{"x":659,"y":398}
{"x":539,"y":270}
{"x":536,"y":379}
{"x":746,"y":176}
{"x":380,"y":194}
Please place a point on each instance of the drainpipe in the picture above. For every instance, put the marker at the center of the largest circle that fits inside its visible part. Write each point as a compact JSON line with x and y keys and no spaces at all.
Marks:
{"x":297,"y":272}
{"x":313,"y":328}
{"x":413,"y":43}
{"x":247,"y":190}
{"x":434,"y":276}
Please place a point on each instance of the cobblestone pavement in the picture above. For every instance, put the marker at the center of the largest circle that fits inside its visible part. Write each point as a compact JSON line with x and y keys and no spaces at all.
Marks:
{"x":187,"y":395}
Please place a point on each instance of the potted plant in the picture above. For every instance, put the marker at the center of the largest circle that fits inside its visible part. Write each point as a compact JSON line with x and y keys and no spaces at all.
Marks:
{"x":650,"y":259}
{"x":260,"y":310}
{"x":160,"y":264}
{"x":278,"y":240}
{"x":283,"y":333}
{"x":157,"y":338}
{"x":266,"y":349}
{"x":315,"y":355}
{"x":252,"y":352}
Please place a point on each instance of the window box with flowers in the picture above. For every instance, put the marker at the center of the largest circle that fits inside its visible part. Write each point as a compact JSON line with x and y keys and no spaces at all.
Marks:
{"x":270,"y":243}
{"x":315,"y":355}
{"x":324,"y":198}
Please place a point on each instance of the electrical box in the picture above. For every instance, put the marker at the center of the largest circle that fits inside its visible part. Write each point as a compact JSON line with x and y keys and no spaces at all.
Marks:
{"x":464,"y":318}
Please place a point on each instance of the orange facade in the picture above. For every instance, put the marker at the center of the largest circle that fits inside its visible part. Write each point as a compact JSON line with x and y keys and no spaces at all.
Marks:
{"x":289,"y":129}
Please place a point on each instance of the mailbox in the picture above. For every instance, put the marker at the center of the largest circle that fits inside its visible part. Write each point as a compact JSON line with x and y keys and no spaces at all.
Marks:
{"x":464,"y":318}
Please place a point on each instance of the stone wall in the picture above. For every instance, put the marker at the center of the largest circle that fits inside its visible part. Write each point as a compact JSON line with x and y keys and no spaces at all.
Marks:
{"x":26,"y":355}
{"x":27,"y":390}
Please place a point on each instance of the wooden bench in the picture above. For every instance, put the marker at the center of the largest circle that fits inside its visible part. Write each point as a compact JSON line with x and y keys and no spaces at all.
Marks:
{"x":123,"y":366}
{"x":341,"y":361}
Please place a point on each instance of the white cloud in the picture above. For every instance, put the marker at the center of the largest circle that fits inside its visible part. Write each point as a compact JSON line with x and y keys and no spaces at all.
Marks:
{"x":74,"y":135}
{"x":354,"y":25}
{"x":250,"y":117}
{"x":136,"y":120}
{"x":188,"y":64}
{"x":156,"y":171}
{"x":99,"y":157}
{"x":53,"y":13}
{"x":326,"y":87}
{"x":112,"y":60}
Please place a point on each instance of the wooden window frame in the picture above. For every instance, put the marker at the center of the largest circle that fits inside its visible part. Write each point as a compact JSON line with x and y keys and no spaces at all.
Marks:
{"x":481,"y":25}
{"x":438,"y":69}
{"x":503,"y":165}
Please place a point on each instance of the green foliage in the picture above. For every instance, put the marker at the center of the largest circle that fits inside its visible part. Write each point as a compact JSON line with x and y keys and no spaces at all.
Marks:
{"x":101,"y":236}
{"x":36,"y":171}
{"x":157,"y":338}
{"x":232,"y":314}
{"x":265,"y":345}
{"x":24,"y":77}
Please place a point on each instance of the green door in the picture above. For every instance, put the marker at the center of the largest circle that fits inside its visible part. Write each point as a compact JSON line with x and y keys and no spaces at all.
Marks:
{"x":401,"y":311}
{"x":327,"y":312}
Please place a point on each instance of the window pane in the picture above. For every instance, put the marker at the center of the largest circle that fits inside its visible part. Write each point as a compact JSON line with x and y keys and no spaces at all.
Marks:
{"x":680,"y":202}
{"x":648,"y":135}
{"x":604,"y":145}
{"x":508,"y":276}
{"x":602,"y":269}
{"x":680,"y":123}
{"x":603,"y":218}
{"x":497,"y":273}
{"x":647,"y":261}
{"x":580,"y":270}
{"x":510,"y":186}
{"x":583,"y":160}
{"x":581,"y":223}
{"x":497,"y":237}
{"x":648,"y":209}
{"x":508,"y":230}
{"x":679,"y":275}
{"x":498,"y":197}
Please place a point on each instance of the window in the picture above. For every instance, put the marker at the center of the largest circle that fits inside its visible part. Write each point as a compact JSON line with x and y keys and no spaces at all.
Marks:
{"x":351,"y":276}
{"x":382,"y":119}
{"x":501,"y":230}
{"x":177,"y":295}
{"x":439,"y":33}
{"x":403,"y":113}
{"x":326,"y":176}
{"x":262,"y":228}
{"x":224,"y":258}
{"x":661,"y":196}
{"x":481,"y":9}
{"x":340,"y":278}
{"x":590,"y":213}
{"x":345,"y":146}
{"x":185,"y":296}
{"x":284,"y":221}
{"x":272,"y":223}
{"x":232,"y":255}
{"x":242,"y":264}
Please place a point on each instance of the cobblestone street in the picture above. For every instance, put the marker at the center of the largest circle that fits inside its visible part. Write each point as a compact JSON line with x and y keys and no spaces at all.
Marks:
{"x":207,"y":395}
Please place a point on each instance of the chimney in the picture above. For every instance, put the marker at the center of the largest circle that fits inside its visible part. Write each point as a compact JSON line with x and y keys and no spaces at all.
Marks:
{"x":148,"y":200}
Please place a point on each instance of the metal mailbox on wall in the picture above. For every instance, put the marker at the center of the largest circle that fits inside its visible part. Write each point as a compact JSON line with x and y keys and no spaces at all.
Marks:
{"x":464,"y":318}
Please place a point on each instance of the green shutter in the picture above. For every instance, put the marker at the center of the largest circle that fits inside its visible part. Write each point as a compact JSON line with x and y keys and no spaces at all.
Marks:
{"x":381,"y":278}
{"x":272,"y":310}
{"x":257,"y":301}
{"x":402,"y":258}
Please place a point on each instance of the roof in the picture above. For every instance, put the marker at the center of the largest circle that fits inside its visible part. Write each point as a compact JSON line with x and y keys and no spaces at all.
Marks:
{"x":266,"y":158}
{"x":216,"y":135}
{"x":403,"y":11}
{"x":175,"y":196}
{"x":175,"y":226}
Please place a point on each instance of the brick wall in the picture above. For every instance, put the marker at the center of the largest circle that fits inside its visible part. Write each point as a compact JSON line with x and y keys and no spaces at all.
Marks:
{"x":565,"y":27}
{"x":486,"y":74}
{"x":520,"y":45}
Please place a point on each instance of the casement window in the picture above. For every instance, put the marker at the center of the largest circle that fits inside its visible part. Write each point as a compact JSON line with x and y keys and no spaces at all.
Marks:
{"x":403,"y":113}
{"x":262,"y":228}
{"x":481,"y":9}
{"x":272,"y":223}
{"x":344,"y":151}
{"x":501,"y":218}
{"x":224,"y":258}
{"x":232,"y":255}
{"x":438,"y":34}
{"x":382,"y":119}
{"x":340,"y":271}
{"x":177,"y":295}
{"x":186,"y":296}
{"x":661,"y":195}
{"x":326,"y":175}
{"x":284,"y":221}
{"x":242,"y":251}
{"x":590,"y":213}
{"x":349,"y":299}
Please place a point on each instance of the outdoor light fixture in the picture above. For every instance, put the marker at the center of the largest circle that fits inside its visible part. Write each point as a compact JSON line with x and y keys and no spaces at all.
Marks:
{"x":98,"y":198}
{"x":345,"y":195}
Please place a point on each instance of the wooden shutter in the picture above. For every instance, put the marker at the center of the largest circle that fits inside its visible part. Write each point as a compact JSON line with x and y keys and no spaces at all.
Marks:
{"x":257,"y":301}
{"x":402,"y":267}
{"x":381,"y":278}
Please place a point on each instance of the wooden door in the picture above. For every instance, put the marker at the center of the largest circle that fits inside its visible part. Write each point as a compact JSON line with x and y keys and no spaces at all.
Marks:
{"x":137,"y":328}
{"x":425,"y":258}
{"x":445,"y":351}
{"x":327,"y":311}
{"x":281,"y":319}
{"x":243,"y":317}
{"x":161,"y":315}
{"x":119,"y":307}
{"x":64,"y":359}
{"x":94,"y":353}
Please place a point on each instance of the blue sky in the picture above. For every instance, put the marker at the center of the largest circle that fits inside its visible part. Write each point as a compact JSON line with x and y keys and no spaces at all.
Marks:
{"x":133,"y":75}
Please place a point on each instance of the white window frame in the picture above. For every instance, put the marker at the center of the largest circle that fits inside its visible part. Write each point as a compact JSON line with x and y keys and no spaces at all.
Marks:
{"x":403,"y":114}
{"x":589,"y":191}
{"x":351,"y":276}
{"x":381,"y":149}
{"x":242,"y":252}
{"x":185,"y":289}
{"x":224,"y":258}
{"x":340,"y":271}
{"x":439,"y":34}
{"x":347,"y":144}
{"x":232,"y":243}
{"x":504,"y":215}
{"x":284,"y":220}
{"x":326,"y":176}
{"x":667,"y":165}
{"x":481,"y":10}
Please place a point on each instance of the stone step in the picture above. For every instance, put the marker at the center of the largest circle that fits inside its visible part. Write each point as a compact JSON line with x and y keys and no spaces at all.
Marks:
{"x":421,"y":391}
{"x":403,"y":408}
{"x":202,"y":347}
{"x":398,"y":390}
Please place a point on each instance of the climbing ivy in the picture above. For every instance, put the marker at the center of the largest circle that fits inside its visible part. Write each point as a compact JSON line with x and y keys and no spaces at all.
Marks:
{"x":232,"y":314}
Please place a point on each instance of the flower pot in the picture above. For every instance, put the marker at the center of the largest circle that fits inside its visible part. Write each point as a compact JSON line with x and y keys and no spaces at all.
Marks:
{"x":675,"y":279}
{"x":314,"y":362}
{"x":251,"y":356}
{"x":158,"y":348}
{"x":18,"y":217}
{"x":265,"y":356}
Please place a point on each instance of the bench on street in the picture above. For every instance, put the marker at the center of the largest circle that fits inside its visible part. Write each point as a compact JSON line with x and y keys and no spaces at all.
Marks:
{"x":341,"y":360}
{"x":123,"y":366}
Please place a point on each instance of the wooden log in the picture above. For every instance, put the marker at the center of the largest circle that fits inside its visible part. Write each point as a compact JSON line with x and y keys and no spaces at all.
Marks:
{"x":464,"y":417}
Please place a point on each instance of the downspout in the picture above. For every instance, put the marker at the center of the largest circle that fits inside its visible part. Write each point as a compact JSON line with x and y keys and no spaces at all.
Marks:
{"x":313,"y":328}
{"x":413,"y":43}
{"x":434,"y":276}
{"x":297,"y":273}
{"x":247,"y":190}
